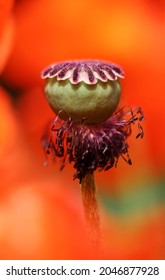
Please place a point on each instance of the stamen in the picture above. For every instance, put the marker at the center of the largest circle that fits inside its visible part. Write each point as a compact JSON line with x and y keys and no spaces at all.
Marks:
{"x":95,"y":147}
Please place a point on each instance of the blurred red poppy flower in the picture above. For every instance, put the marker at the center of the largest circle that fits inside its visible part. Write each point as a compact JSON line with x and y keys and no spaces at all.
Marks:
{"x":38,"y":203}
{"x":39,"y":215}
{"x":6,"y":31}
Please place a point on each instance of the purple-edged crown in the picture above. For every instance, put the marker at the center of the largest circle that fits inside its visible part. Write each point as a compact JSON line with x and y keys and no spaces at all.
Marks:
{"x":87,"y":71}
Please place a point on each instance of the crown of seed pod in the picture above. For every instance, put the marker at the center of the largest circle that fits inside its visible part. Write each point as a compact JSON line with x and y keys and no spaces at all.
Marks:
{"x":83,"y":90}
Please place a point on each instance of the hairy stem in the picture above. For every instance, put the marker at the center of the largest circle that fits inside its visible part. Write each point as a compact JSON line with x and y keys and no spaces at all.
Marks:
{"x":88,"y":190}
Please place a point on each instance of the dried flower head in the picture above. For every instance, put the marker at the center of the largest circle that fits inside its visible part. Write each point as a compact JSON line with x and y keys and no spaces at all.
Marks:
{"x":85,"y":94}
{"x":87,"y":90}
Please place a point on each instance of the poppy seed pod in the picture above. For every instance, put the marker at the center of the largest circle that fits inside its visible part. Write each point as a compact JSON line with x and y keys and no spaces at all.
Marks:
{"x":87,"y":131}
{"x":83,"y":90}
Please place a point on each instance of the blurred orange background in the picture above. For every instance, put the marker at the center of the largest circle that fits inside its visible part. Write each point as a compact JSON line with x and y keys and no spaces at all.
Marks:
{"x":41,"y":215}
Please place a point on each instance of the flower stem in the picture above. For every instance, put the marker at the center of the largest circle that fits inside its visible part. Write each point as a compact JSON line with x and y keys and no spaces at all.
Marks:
{"x":88,"y":190}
